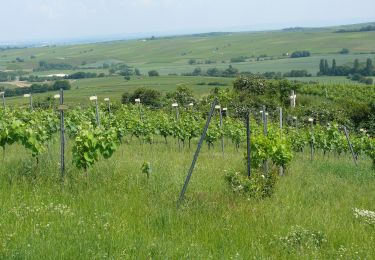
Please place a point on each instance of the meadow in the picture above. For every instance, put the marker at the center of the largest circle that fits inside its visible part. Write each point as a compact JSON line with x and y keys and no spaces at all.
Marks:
{"x":116,"y":212}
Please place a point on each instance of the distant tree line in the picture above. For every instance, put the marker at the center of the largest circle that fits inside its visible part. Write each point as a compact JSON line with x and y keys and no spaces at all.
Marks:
{"x":6,"y":76}
{"x":44,"y":66}
{"x":36,"y":78}
{"x":6,"y":48}
{"x":300,"y":54}
{"x":366,"y":69}
{"x":233,"y":72}
{"x":76,"y":75}
{"x":297,"y":73}
{"x":357,"y":72}
{"x":195,"y":61}
{"x":367,"y":28}
{"x":239,"y":59}
{"x":124,"y":70}
{"x":10,"y":75}
{"x":84,"y":75}
{"x":213,"y":72}
{"x":38,"y":88}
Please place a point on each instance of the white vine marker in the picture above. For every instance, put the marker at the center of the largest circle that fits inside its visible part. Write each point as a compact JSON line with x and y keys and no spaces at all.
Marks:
{"x":225,"y":110}
{"x":293,"y":98}
{"x":95,"y":98}
{"x":30,"y":100}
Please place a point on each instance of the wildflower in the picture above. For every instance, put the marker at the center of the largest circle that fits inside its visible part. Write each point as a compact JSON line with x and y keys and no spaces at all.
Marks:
{"x":366,"y":215}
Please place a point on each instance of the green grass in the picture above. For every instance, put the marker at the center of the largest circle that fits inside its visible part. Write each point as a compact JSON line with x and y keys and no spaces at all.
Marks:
{"x":171,"y":54}
{"x":114,"y":87}
{"x":115,"y":212}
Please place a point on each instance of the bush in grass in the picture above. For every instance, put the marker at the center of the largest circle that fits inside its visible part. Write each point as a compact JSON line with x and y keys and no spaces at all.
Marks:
{"x":258,"y":186}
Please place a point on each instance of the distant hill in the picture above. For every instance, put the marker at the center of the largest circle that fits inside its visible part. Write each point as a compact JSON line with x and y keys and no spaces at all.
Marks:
{"x":259,"y":51}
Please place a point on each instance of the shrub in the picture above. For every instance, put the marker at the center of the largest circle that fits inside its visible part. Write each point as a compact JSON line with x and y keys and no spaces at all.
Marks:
{"x":344,"y":51}
{"x":153,"y":73}
{"x":300,"y":54}
{"x":61,"y":84}
{"x":259,"y":185}
{"x":297,"y":73}
{"x":149,"y":97}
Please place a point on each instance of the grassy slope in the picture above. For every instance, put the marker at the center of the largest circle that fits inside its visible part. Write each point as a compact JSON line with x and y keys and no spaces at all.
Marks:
{"x":116,"y":213}
{"x":114,"y":87}
{"x":171,"y":55}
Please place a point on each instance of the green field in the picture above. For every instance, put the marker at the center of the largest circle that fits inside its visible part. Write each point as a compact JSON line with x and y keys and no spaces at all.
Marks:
{"x":114,"y":87}
{"x":171,"y":54}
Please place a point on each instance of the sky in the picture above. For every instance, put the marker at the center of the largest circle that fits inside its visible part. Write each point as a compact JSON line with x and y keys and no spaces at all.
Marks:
{"x":58,"y":20}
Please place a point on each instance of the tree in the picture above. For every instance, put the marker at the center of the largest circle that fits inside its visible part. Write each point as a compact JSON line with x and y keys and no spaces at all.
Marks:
{"x":153,"y":73}
{"x":192,"y":61}
{"x":137,"y":72}
{"x":214,"y":72}
{"x":369,"y":68}
{"x":197,"y":72}
{"x":149,"y":97}
{"x":334,"y":67}
{"x":299,"y":54}
{"x":344,"y":51}
{"x":61,"y":84}
{"x":321,"y":67}
{"x":183,"y":95}
{"x":326,"y":67}
{"x":356,"y":66}
{"x":230,"y":72}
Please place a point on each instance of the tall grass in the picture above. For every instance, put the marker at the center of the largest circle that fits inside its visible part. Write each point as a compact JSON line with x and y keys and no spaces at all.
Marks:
{"x":116,"y":212}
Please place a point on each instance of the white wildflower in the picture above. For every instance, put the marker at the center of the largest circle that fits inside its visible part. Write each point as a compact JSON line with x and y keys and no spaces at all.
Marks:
{"x":366,"y":215}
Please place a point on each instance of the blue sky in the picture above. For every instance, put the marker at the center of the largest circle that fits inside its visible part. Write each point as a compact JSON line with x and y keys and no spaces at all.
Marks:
{"x":38,"y":20}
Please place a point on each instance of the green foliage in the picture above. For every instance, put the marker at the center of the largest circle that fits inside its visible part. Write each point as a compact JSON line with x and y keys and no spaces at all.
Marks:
{"x":183,"y":95}
{"x":61,"y":84}
{"x":300,"y":54}
{"x":344,"y":51}
{"x":257,"y":186}
{"x":146,"y":169}
{"x":148,"y":97}
{"x":90,"y":143}
{"x":153,"y":73}
{"x":44,"y":66}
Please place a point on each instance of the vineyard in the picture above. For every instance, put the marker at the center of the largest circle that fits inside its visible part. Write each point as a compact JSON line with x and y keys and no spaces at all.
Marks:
{"x":97,"y":136}
{"x":122,"y":168}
